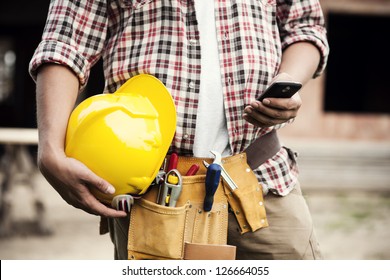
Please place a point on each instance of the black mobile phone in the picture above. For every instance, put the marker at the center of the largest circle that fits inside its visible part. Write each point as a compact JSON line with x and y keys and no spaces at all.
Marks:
{"x":281,"y":89}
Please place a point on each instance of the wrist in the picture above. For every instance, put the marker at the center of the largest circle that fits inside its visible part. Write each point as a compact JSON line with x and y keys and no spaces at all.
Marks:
{"x":49,"y":154}
{"x":283,"y":76}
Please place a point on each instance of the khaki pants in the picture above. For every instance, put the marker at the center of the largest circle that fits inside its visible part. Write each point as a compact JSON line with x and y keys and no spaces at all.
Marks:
{"x":290,"y":234}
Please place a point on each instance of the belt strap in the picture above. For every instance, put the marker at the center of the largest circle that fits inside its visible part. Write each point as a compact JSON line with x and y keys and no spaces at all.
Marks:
{"x":262,"y":149}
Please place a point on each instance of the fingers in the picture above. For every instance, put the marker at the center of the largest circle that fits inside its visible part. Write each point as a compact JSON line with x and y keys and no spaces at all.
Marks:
{"x":94,"y":181}
{"x":73,"y":181}
{"x":95,"y":207}
{"x":261,"y":120}
{"x":272,"y":111}
{"x":87,"y":201}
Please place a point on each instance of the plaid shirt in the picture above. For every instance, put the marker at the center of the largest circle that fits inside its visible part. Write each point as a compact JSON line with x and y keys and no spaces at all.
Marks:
{"x":162,"y":38}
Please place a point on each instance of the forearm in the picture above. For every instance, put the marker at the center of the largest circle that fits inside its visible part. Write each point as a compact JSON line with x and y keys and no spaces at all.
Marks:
{"x":300,"y":61}
{"x":57,"y":90}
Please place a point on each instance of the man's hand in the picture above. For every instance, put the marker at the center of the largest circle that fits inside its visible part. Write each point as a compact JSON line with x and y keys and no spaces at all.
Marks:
{"x":73,"y":181}
{"x":273,"y":111}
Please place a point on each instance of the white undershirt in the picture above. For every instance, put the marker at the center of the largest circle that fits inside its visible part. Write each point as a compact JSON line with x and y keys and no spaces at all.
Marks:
{"x":211,"y":129}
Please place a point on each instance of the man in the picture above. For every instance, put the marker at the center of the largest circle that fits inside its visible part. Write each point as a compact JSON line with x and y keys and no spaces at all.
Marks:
{"x":216,"y":58}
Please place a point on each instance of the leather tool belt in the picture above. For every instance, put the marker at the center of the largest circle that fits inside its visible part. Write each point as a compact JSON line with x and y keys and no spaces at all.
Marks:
{"x":186,"y":231}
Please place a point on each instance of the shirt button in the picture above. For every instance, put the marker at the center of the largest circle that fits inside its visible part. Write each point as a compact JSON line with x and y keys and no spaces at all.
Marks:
{"x":193,"y":42}
{"x":226,"y":35}
{"x":185,"y":136}
{"x":191,"y":85}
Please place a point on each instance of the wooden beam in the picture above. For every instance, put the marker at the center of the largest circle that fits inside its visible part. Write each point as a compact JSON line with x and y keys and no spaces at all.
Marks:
{"x":26,"y":136}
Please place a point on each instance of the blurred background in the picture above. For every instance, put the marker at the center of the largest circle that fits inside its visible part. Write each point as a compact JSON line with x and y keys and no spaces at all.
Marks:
{"x":342,"y":135}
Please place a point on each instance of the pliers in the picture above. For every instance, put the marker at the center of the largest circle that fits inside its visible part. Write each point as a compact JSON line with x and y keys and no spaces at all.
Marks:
{"x":172,"y":188}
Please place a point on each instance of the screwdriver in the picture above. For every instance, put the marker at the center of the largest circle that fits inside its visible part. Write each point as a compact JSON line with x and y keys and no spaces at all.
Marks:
{"x":213,"y":176}
{"x":193,"y":169}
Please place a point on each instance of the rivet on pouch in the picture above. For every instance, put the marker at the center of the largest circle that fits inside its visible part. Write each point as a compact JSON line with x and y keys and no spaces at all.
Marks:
{"x":262,"y":221}
{"x":244,"y":226}
{"x":237,"y":212}
{"x":199,"y":211}
{"x":208,"y":215}
{"x":261,"y":203}
{"x":248,"y":170}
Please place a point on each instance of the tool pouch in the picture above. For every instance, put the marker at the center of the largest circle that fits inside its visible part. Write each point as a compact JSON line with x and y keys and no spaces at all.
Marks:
{"x":187,"y":231}
{"x":246,"y":202}
{"x":160,"y":232}
{"x":156,"y":231}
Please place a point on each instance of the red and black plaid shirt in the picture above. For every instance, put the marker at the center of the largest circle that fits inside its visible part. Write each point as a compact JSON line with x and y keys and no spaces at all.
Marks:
{"x":161,"y":38}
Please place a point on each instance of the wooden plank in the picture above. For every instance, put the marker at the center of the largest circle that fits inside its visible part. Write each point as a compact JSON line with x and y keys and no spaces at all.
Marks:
{"x":25,"y":136}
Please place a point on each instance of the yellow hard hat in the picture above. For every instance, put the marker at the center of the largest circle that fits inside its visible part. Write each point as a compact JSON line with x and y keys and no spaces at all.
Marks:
{"x":123,"y":137}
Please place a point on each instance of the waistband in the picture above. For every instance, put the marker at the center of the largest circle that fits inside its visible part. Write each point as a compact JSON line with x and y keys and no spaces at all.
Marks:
{"x":184,"y":163}
{"x":256,"y":154}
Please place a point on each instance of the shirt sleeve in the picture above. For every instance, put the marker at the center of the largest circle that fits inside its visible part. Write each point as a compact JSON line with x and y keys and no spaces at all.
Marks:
{"x":303,"y":20}
{"x":74,"y":36}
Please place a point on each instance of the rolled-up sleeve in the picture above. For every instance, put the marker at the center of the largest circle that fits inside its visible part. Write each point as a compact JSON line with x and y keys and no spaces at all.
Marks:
{"x":74,"y":36}
{"x":303,"y":20}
